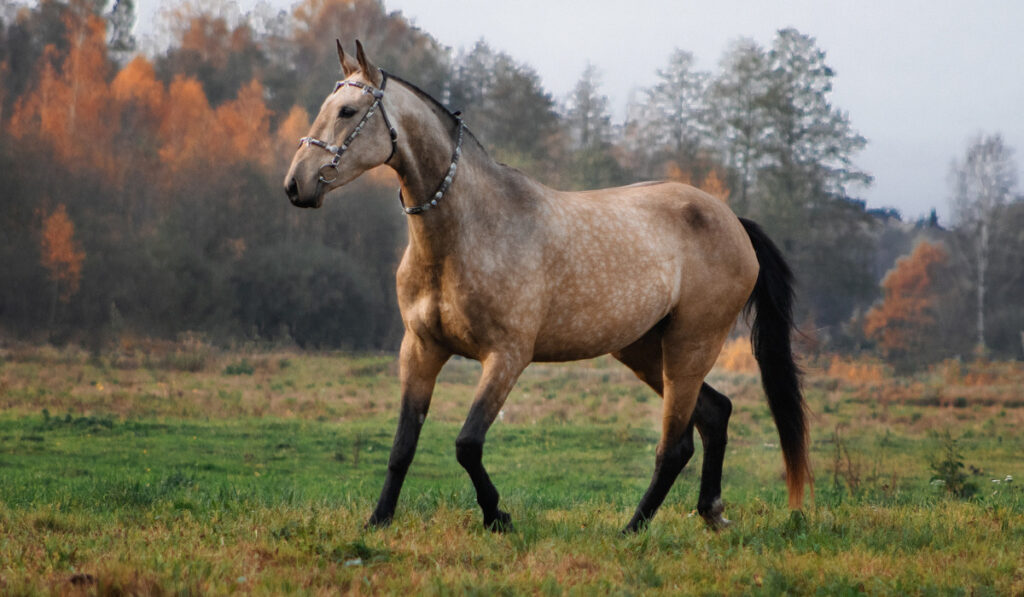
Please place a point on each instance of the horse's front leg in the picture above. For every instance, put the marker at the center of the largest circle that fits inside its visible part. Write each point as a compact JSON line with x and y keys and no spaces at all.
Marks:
{"x":500,"y":372}
{"x":419,"y":363}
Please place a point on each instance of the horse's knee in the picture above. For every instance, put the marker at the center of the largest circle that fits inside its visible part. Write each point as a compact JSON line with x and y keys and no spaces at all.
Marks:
{"x":469,"y":452}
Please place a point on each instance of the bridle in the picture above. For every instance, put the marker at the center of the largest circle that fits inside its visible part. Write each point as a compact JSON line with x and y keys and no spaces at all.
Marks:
{"x":328,"y":173}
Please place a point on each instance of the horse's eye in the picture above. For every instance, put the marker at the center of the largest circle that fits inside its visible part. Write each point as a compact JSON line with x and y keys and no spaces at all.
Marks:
{"x":346,"y":112}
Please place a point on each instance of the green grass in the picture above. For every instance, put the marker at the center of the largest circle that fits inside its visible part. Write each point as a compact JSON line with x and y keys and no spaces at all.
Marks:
{"x":201,"y":492}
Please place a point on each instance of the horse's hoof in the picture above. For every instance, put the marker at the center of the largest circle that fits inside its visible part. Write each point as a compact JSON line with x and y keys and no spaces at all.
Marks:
{"x":501,"y":523}
{"x":713,"y":516}
{"x":717,"y":522}
{"x":377,"y":522}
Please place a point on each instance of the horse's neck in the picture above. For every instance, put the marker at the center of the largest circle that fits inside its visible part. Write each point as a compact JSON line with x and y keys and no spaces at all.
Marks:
{"x":424,"y":156}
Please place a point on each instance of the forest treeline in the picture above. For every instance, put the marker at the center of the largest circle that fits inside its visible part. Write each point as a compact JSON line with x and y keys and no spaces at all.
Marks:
{"x":140,"y":194}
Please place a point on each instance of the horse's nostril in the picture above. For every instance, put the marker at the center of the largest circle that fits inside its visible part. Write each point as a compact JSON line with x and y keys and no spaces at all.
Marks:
{"x":292,"y":189}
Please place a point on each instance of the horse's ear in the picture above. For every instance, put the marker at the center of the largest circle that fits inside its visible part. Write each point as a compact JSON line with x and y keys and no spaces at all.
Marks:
{"x":348,"y":64}
{"x":370,"y":71}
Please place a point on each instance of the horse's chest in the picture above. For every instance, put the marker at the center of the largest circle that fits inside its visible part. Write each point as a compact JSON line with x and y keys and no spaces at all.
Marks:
{"x":470,"y":311}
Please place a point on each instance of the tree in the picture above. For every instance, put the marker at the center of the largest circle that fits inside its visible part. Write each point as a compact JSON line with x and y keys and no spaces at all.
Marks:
{"x":61,"y":256}
{"x":586,"y":111}
{"x":592,"y":162}
{"x":714,"y":185}
{"x":790,"y":153}
{"x":981,"y":185}
{"x":70,"y":105}
{"x":902,"y":324}
{"x":121,"y":21}
{"x":810,"y":144}
{"x":739,"y":115}
{"x":672,"y":125}
{"x":1004,"y":318}
{"x":505,"y":106}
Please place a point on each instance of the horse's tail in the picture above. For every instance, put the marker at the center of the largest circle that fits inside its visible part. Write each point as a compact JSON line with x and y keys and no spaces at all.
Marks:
{"x":772,"y":300}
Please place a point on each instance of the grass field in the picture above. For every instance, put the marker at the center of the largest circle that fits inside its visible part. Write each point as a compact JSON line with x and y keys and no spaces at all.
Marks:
{"x":182,"y":470}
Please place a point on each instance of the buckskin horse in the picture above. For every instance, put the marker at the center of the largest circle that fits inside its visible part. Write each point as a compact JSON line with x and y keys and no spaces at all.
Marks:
{"x":502,"y":269}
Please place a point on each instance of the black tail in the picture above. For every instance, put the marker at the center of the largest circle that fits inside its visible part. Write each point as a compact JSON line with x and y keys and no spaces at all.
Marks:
{"x":772,"y":300}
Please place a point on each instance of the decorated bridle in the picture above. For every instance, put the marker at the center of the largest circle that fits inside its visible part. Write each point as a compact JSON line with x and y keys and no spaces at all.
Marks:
{"x":328,"y":173}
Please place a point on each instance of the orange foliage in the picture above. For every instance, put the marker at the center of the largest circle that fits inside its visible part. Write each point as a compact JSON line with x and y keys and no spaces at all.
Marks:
{"x":136,"y":84}
{"x":853,"y":371}
{"x":70,"y":106}
{"x":60,"y":256}
{"x":715,"y":186}
{"x":737,"y":356}
{"x":900,"y":322}
{"x":712,"y":183}
{"x":187,"y":128}
{"x":677,"y":174}
{"x":293,"y":127}
{"x":194,"y":135}
{"x":245,"y":123}
{"x":206,"y":35}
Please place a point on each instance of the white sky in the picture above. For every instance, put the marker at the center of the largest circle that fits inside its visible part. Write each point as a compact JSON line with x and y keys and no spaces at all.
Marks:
{"x":918,"y":78}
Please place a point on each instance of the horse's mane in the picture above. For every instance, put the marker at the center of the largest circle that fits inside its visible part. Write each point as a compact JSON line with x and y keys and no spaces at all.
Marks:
{"x":437,"y":105}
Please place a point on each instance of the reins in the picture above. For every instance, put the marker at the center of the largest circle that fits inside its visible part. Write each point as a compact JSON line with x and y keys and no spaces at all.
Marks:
{"x":328,"y":173}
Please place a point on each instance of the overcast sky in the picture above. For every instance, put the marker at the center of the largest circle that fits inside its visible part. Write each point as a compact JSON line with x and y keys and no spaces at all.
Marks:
{"x":919,"y":79}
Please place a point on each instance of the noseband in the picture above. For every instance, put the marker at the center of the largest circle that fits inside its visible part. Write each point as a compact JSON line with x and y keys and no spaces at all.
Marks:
{"x":328,"y":173}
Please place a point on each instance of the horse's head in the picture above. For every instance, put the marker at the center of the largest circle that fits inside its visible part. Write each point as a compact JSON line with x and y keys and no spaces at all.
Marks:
{"x":350,"y":135}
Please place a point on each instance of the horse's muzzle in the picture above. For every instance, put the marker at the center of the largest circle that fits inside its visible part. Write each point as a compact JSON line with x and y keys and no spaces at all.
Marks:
{"x":292,"y":190}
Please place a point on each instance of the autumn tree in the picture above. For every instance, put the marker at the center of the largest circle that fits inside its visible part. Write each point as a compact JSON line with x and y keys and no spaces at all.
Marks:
{"x":716,"y":187}
{"x":69,"y":107}
{"x":61,"y":256}
{"x":222,"y":57}
{"x":903,"y":323}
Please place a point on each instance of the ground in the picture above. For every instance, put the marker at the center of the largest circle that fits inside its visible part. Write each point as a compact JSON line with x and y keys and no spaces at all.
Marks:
{"x":182,"y":469}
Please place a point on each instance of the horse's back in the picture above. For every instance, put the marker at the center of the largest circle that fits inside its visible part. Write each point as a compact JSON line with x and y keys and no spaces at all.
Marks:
{"x":619,"y":260}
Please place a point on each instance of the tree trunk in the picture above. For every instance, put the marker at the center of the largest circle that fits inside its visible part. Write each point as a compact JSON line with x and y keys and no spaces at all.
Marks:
{"x":982,"y":267}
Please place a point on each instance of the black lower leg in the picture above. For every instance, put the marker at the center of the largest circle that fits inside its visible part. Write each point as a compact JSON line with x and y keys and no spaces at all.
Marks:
{"x":712,"y":419}
{"x":670,"y":461}
{"x":469,"y":453}
{"x":410,"y":422}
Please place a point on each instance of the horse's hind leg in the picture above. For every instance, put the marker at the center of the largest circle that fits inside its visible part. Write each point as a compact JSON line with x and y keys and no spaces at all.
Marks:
{"x":500,"y":373}
{"x":681,"y":385}
{"x":645,"y":359}
{"x":712,"y":420}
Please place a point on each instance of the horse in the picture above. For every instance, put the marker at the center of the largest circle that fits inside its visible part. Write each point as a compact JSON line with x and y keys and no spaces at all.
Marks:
{"x":504,"y":270}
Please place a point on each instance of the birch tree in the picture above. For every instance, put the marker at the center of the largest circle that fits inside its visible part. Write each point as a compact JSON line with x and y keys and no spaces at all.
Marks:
{"x":982,"y":183}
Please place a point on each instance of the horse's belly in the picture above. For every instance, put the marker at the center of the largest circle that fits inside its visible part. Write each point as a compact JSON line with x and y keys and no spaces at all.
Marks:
{"x":598,"y":316}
